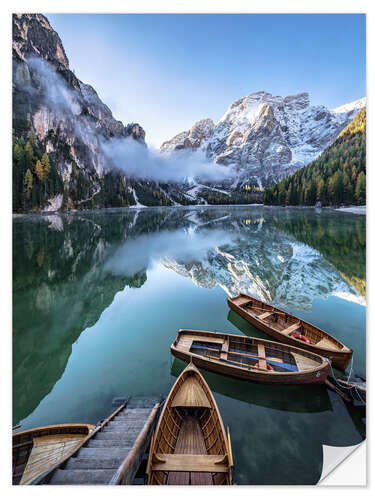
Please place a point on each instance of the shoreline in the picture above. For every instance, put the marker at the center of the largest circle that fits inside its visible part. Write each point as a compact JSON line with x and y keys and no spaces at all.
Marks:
{"x":354,"y":209}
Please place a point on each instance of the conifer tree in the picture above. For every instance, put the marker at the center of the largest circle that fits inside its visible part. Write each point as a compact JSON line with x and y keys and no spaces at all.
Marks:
{"x":360,"y":189}
{"x":39,"y":170}
{"x":46,"y":165}
{"x":28,"y":182}
{"x":29,"y":152}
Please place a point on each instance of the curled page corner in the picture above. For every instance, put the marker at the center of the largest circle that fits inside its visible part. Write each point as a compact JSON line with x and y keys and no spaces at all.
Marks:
{"x":355,"y":468}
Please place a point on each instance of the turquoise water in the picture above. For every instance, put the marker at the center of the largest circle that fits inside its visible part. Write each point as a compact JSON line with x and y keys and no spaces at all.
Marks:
{"x":99,"y":296}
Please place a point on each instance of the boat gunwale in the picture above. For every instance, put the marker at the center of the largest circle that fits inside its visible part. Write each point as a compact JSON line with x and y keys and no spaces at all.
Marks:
{"x":322,"y":366}
{"x":35,"y":430}
{"x":345,"y":350}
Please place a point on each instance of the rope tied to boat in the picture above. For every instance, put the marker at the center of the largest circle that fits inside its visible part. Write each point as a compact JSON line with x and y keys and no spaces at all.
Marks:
{"x":347,"y":380}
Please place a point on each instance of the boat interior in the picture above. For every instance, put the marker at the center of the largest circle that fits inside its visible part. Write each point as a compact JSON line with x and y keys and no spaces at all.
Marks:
{"x":37,"y":450}
{"x":248,"y":353}
{"x":189,"y":446}
{"x":287,"y":324}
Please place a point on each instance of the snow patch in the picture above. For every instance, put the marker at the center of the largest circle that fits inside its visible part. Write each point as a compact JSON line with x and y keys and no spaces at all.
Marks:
{"x":54,"y":204}
{"x":137,"y":204}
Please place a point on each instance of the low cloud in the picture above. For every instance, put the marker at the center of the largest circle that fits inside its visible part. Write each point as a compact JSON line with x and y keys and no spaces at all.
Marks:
{"x":125,"y":154}
{"x":56,"y":92}
{"x":139,"y":162}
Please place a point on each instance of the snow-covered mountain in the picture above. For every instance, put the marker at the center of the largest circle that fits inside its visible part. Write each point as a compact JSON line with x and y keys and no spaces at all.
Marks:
{"x":266,"y":137}
{"x":351,"y":106}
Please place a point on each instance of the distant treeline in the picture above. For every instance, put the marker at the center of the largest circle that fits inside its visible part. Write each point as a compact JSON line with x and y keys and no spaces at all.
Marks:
{"x":36,"y":180}
{"x":337,"y":177}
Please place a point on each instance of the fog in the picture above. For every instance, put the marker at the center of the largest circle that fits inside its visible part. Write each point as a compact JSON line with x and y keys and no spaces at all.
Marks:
{"x":132,"y":157}
{"x":140,"y":162}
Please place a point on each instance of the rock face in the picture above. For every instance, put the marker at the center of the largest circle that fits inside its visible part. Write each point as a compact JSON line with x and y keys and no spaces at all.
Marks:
{"x":267,"y":137}
{"x":65,"y":114}
{"x":193,"y":139}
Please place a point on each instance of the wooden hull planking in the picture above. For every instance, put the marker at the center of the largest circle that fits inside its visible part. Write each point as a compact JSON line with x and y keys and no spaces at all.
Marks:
{"x":36,"y":450}
{"x":328,"y":347}
{"x":315,"y":370}
{"x":189,"y":446}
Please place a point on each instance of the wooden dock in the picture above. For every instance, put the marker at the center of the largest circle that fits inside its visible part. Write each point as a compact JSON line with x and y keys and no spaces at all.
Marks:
{"x":113,"y":452}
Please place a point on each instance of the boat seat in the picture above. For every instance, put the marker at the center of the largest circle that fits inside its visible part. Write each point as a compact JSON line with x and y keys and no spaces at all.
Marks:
{"x":262,"y":357}
{"x":189,"y":463}
{"x":265,"y":315}
{"x":191,"y":394}
{"x":291,"y":328}
{"x":325,"y":343}
{"x":224,"y":350}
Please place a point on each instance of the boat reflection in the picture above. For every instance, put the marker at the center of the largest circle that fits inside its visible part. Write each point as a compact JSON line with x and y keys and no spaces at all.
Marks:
{"x":284,"y":398}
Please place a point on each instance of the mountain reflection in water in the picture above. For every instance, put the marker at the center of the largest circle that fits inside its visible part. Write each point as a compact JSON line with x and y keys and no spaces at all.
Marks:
{"x":121,"y":274}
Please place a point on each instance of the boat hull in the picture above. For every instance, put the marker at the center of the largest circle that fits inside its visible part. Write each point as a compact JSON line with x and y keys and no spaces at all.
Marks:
{"x":313,"y":376}
{"x":189,"y":445}
{"x":339,"y":360}
{"x":55,"y":441}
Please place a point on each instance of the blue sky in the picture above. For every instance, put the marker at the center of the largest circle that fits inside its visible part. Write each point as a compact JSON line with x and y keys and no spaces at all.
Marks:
{"x":168,"y":71}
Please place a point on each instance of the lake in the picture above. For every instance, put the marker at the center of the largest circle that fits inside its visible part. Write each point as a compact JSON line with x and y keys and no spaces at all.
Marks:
{"x":98,"y":298}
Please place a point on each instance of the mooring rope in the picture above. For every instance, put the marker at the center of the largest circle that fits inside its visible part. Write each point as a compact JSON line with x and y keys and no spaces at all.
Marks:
{"x":347,"y":380}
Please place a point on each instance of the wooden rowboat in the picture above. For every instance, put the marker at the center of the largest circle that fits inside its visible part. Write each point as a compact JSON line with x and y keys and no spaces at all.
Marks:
{"x":189,"y":446}
{"x":36,"y":450}
{"x":250,"y":358}
{"x":289,"y":329}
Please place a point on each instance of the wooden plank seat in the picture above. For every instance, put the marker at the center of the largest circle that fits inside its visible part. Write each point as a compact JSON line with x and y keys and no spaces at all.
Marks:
{"x":243,"y":301}
{"x":189,"y":463}
{"x":224,"y":350}
{"x":291,"y":328}
{"x":265,"y":315}
{"x":262,"y":357}
{"x":325,"y":343}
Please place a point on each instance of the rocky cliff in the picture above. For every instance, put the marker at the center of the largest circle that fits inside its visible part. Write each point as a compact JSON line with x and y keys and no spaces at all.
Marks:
{"x":266,"y":137}
{"x":63,"y":117}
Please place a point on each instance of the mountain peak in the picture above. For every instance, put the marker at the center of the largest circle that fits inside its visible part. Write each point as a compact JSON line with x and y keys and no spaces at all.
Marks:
{"x":33,"y":36}
{"x":267,"y":137}
{"x":351,"y":106}
{"x":190,"y":139}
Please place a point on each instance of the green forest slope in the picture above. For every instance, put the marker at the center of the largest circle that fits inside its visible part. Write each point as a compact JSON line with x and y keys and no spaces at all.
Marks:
{"x":337,"y":177}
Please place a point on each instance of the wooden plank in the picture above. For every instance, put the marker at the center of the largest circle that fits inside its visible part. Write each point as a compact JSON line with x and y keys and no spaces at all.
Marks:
{"x":224,"y":350}
{"x":325,"y":343}
{"x":189,"y":463}
{"x":291,"y":328}
{"x":241,"y":301}
{"x":190,"y":441}
{"x":203,"y":338}
{"x":47,"y":475}
{"x":191,"y":394}
{"x":48,"y":450}
{"x":303,"y":362}
{"x":265,"y":315}
{"x":262,"y":357}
